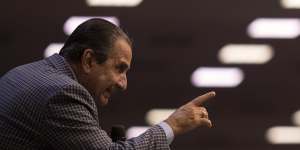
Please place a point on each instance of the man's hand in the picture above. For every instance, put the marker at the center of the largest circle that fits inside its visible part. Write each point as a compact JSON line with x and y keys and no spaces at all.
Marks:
{"x":190,"y":115}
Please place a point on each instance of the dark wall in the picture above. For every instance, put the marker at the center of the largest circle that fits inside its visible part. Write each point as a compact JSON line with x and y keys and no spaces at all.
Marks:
{"x":171,"y":39}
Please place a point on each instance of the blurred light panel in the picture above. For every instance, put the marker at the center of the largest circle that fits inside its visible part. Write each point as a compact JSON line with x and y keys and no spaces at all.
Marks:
{"x":290,"y":4}
{"x":283,"y":28}
{"x":73,"y":22}
{"x":296,"y":118}
{"x":217,"y":77}
{"x":245,"y":54}
{"x":113,"y":3}
{"x":283,"y":135}
{"x":155,"y":116}
{"x":52,"y":49}
{"x":135,"y":131}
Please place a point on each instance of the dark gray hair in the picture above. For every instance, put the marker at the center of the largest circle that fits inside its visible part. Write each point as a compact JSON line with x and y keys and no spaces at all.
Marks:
{"x":96,"y":34}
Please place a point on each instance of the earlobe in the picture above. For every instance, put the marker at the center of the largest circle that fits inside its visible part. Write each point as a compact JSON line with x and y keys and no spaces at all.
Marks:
{"x":87,"y":60}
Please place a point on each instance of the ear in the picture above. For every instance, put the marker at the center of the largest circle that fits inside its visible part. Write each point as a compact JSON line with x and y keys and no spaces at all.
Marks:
{"x":87,"y":60}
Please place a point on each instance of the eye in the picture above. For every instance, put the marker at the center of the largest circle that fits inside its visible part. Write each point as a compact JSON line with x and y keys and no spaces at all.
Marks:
{"x":122,"y":68}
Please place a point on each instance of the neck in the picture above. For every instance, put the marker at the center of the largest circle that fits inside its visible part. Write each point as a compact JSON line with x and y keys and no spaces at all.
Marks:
{"x":81,"y":76}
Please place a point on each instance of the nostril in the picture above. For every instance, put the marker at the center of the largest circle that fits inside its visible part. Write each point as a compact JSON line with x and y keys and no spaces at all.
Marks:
{"x":123,"y":85}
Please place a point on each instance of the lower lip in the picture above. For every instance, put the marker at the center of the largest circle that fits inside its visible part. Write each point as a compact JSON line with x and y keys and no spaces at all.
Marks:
{"x":106,"y":95}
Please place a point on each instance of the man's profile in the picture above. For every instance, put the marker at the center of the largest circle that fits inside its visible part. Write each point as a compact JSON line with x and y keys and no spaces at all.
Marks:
{"x":52,"y":103}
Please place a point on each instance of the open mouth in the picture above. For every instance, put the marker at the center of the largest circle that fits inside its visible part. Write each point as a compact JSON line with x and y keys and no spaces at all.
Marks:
{"x":107,"y":93}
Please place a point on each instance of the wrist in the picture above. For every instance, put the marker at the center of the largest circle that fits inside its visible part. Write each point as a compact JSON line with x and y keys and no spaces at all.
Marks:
{"x":171,"y":123}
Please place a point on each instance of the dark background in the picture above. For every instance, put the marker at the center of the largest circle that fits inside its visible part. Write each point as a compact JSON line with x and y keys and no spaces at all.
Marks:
{"x":171,"y":39}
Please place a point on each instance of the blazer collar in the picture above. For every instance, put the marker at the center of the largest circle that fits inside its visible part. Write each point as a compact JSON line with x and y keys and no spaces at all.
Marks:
{"x":62,"y":65}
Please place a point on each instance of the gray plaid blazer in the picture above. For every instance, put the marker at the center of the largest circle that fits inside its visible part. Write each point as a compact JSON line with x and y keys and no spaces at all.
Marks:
{"x":42,"y":106}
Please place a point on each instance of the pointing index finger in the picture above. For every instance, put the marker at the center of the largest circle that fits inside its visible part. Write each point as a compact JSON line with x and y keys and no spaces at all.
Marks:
{"x":203,"y":98}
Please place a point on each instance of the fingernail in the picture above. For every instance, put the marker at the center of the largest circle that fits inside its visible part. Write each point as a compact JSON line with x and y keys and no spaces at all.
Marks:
{"x":213,"y":93}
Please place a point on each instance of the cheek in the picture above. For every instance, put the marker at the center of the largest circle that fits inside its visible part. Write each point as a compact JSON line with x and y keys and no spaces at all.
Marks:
{"x":115,"y":78}
{"x":105,"y":81}
{"x":96,"y":83}
{"x":110,"y":77}
{"x":101,"y":84}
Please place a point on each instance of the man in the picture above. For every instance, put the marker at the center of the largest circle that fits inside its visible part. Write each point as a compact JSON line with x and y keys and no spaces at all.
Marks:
{"x":51,"y":103}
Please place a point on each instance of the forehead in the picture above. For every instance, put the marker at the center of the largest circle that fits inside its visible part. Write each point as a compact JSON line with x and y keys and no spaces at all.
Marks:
{"x":121,"y":51}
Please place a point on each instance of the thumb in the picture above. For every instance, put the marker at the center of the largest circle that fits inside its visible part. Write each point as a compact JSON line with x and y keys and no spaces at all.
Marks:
{"x":205,"y":122}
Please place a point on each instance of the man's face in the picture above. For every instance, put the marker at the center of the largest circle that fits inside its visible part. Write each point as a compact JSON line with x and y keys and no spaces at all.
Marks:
{"x":105,"y":78}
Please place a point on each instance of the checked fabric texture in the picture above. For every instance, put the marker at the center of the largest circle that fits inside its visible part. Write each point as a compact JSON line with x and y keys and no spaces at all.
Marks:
{"x":42,"y":106}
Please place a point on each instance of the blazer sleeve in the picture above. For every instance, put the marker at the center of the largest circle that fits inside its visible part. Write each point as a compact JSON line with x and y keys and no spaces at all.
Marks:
{"x":71,"y":122}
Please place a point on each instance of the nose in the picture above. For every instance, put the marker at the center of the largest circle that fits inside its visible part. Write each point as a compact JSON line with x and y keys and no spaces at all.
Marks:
{"x":122,"y":83}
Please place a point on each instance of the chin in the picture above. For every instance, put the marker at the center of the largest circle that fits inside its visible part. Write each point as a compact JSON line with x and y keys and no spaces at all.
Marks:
{"x":103,"y":101}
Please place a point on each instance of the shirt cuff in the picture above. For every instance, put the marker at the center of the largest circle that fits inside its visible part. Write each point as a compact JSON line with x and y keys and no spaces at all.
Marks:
{"x":168,"y":131}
